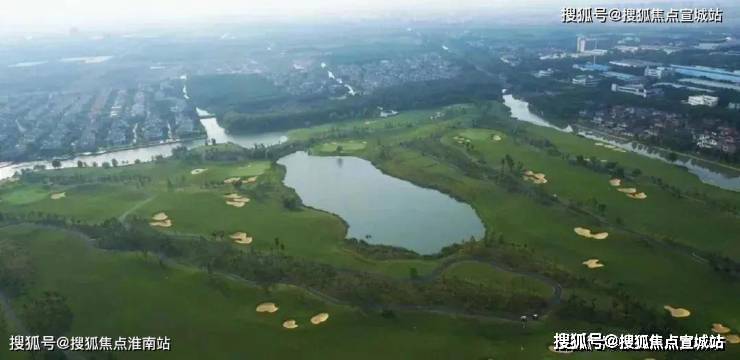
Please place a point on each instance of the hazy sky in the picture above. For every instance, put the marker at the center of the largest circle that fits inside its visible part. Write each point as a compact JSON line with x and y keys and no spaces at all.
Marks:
{"x":116,"y":13}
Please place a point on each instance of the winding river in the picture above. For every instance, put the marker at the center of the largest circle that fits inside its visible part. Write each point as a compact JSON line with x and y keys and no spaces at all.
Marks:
{"x":703,"y":170}
{"x":148,"y":153}
{"x":379,"y":208}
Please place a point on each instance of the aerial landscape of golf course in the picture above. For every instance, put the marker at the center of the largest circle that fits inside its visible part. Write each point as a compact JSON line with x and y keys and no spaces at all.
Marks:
{"x":190,"y":246}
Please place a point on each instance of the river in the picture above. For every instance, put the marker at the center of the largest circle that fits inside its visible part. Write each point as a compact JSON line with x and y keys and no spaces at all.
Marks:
{"x":705,"y":171}
{"x":390,"y":210}
{"x":148,"y":153}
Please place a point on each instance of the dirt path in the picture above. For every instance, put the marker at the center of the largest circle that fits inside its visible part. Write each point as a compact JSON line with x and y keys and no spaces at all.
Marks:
{"x":122,"y":217}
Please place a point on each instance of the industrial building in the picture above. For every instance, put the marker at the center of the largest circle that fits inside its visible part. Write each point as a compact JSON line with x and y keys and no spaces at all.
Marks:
{"x":636,"y":89}
{"x":702,"y":100}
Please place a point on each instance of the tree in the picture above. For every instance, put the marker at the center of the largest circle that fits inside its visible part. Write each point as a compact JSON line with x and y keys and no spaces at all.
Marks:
{"x":56,"y":163}
{"x":413,"y":273}
{"x":80,"y":164}
{"x":48,"y":314}
{"x":672,"y":156}
{"x":114,"y":162}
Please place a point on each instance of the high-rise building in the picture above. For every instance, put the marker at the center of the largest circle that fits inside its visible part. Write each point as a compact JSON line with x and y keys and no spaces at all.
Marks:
{"x":581,"y":43}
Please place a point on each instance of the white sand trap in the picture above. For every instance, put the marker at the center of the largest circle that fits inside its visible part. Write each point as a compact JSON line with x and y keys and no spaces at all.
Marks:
{"x":593,"y":263}
{"x":732,"y":339}
{"x":582,"y":232}
{"x":497,"y":138}
{"x":267,"y":307}
{"x":319,"y":318}
{"x":585,"y":232}
{"x":165,"y":223}
{"x":552,"y":348}
{"x":537,"y":178}
{"x":232,"y":196}
{"x":197,"y":171}
{"x":677,"y":312}
{"x":600,"y":236}
{"x":58,"y":196}
{"x":232,"y":180}
{"x":161,"y":216}
{"x":599,"y":144}
{"x":638,"y":196}
{"x":615,"y":182}
{"x":252,"y":179}
{"x":627,"y":190}
{"x":290,"y":324}
{"x":241,"y":238}
{"x":236,"y":204}
{"x":720,"y":329}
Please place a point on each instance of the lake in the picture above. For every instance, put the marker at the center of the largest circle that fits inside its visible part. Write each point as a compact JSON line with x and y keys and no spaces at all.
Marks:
{"x":390,"y":210}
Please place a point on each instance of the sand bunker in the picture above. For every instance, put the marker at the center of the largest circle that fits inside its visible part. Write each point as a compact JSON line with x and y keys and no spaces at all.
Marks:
{"x":615,"y":182}
{"x":627,"y":190}
{"x":161,"y":220}
{"x":497,"y":138}
{"x":599,"y":144}
{"x":677,"y":312}
{"x":160,"y":216}
{"x":537,"y":178}
{"x":638,"y":196}
{"x":720,"y":329}
{"x":319,"y":318}
{"x":732,"y":339}
{"x":232,"y":180}
{"x":165,"y":223}
{"x":593,"y":263}
{"x":600,"y":236}
{"x":58,"y":196}
{"x":582,"y":231}
{"x":585,"y":232}
{"x":197,"y":171}
{"x":290,"y":324}
{"x":241,"y":238}
{"x":267,"y":307}
{"x":252,"y":179}
{"x":236,"y":200}
{"x":552,"y":348}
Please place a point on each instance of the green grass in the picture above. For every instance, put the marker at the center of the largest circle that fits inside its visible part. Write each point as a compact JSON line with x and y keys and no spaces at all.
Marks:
{"x":341,"y":147}
{"x":126,"y":294}
{"x":491,"y":277}
{"x":652,"y":273}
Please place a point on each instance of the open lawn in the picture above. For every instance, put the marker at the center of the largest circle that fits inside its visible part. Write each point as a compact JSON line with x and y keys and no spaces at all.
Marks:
{"x":126,"y":294}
